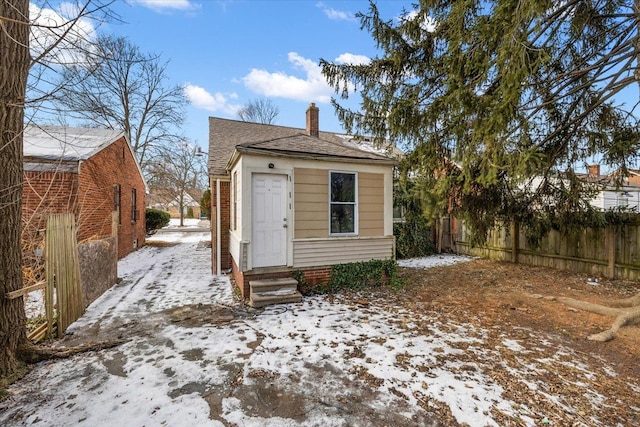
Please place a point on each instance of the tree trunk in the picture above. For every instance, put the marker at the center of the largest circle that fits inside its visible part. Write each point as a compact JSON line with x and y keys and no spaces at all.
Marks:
{"x":181,"y":203}
{"x":627,"y":313}
{"x":14,"y":68}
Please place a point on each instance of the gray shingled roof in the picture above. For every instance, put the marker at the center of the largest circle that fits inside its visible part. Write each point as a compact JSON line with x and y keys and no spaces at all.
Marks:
{"x":225,"y":136}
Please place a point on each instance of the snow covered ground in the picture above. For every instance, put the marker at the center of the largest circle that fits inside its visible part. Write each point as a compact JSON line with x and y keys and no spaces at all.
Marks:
{"x":193,"y":356}
{"x":433,"y":261}
{"x":175,"y":222}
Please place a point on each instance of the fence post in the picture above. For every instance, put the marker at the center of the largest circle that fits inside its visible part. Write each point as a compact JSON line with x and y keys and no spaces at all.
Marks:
{"x":515,"y":240}
{"x":611,"y":243}
{"x":439,"y":232}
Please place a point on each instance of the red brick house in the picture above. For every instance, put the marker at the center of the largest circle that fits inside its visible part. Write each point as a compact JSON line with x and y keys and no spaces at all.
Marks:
{"x":90,"y":172}
{"x":288,"y":200}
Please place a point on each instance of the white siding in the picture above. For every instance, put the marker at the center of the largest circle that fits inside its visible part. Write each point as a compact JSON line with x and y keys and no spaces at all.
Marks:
{"x":234,"y":247}
{"x":609,"y":199}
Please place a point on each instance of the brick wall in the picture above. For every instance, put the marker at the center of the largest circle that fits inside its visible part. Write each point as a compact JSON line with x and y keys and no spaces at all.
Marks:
{"x":238,"y":278}
{"x":317,"y":276}
{"x":44,"y":193}
{"x":225,"y":224}
{"x":98,"y":178}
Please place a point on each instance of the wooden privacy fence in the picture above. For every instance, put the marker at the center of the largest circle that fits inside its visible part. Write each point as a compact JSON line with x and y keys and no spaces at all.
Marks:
{"x":612,"y":252}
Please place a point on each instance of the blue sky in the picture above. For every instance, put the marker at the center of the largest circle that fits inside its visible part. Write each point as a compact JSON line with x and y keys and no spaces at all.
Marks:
{"x":228,"y":53}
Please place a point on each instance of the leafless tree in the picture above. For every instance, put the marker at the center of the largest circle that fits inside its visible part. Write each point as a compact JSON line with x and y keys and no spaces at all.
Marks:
{"x":261,"y":110}
{"x":117,"y":86}
{"x":177,"y":173}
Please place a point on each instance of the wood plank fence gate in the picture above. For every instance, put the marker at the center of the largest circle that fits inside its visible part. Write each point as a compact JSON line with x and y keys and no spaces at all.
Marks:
{"x":63,"y":290}
{"x":62,"y":268}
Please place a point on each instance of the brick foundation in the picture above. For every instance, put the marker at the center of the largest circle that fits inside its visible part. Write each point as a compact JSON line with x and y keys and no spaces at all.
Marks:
{"x":313,"y":277}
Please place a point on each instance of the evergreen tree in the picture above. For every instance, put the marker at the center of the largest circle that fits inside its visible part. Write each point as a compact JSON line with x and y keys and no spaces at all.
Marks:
{"x":502,"y":101}
{"x":205,"y":203}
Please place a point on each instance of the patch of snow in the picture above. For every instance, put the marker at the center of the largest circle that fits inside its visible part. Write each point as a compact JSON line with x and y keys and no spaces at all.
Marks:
{"x":434,"y":261}
{"x":513,"y":345}
{"x":34,"y":304}
{"x":188,"y":222}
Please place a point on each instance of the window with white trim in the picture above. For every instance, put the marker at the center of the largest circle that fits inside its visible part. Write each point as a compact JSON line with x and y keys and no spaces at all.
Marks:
{"x":343,"y":210}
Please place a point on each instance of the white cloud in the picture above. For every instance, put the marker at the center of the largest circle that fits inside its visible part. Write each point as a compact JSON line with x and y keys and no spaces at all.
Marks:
{"x":334,"y":14}
{"x":312,"y":87}
{"x":70,"y":35}
{"x":350,"y":58}
{"x":164,"y":5}
{"x":278,"y":84}
{"x":217,"y":102}
{"x":429,"y":24}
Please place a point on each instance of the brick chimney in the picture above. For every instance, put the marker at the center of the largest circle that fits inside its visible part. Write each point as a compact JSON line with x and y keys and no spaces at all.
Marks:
{"x":594,"y":170}
{"x":313,"y":127}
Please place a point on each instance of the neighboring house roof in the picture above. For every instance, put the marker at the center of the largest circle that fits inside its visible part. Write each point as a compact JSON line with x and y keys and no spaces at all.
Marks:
{"x":66,"y":143}
{"x":69,"y":144}
{"x":226,"y":136}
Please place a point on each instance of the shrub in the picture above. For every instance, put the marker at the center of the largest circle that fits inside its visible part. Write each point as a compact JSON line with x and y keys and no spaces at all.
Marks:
{"x":355,"y":276}
{"x":413,"y":238}
{"x":189,"y":212}
{"x":156,"y":219}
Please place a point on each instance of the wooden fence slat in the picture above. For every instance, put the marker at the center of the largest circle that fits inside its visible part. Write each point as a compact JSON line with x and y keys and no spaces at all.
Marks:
{"x":62,"y":272}
{"x":25,"y":291}
{"x":50,"y":274}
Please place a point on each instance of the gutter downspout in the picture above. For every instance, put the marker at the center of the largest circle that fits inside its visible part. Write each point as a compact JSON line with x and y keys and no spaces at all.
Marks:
{"x":218,"y":228}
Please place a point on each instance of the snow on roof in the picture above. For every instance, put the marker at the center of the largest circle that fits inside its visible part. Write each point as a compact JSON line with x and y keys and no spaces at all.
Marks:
{"x":66,"y":143}
{"x":366,"y":144}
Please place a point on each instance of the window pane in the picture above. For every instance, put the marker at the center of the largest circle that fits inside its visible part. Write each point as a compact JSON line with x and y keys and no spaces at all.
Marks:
{"x":342,"y":218}
{"x":343,"y":187}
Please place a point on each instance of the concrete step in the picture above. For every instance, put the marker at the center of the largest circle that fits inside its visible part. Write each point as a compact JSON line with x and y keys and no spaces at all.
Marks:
{"x":283,"y":296}
{"x":267,"y":285}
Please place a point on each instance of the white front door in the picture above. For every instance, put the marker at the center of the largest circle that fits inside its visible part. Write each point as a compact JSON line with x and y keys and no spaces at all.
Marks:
{"x":269,"y":232}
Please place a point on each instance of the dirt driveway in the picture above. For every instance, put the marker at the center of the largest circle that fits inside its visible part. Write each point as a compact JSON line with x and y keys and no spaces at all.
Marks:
{"x":459,"y":345}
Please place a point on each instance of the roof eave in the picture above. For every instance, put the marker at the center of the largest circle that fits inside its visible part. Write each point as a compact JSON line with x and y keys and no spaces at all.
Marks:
{"x":313,"y":156}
